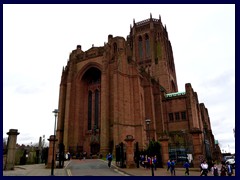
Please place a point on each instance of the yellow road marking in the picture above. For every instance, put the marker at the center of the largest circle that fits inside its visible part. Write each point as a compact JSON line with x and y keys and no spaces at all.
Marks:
{"x":69,"y":172}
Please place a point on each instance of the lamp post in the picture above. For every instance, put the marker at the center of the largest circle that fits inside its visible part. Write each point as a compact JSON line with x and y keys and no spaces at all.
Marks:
{"x":148,"y":129}
{"x":148,"y":136}
{"x":55,"y":114}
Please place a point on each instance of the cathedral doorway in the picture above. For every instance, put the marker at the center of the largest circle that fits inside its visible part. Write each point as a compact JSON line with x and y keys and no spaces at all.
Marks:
{"x":95,"y":148}
{"x":92,"y":97}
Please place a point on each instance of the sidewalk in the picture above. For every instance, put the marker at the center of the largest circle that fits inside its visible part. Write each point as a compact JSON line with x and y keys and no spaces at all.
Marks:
{"x":40,"y":170}
{"x":162,"y":171}
{"x":36,"y":170}
{"x":159,"y":172}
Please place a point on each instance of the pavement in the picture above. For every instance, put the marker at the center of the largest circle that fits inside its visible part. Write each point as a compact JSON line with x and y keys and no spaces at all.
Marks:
{"x":41,"y":170}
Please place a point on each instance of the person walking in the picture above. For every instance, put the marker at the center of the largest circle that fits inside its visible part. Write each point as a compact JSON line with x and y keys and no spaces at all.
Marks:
{"x":204,"y":167}
{"x":223,"y":169}
{"x":229,"y":169}
{"x":149,"y":162}
{"x":146,"y":162}
{"x":155,"y":162}
{"x":172,"y":168}
{"x":109,"y":158}
{"x":142,"y":161}
{"x":168,"y":165}
{"x":215,"y":170}
{"x":186,"y":166}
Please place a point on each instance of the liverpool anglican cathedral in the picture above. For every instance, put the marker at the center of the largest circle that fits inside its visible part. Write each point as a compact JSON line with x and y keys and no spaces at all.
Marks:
{"x":128,"y":88}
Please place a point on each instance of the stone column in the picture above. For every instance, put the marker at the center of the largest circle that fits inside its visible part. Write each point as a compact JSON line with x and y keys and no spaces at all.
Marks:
{"x":104,"y":138}
{"x":197,"y":147}
{"x":165,"y":151}
{"x":11,"y":147}
{"x":129,"y":152}
{"x":50,"y":152}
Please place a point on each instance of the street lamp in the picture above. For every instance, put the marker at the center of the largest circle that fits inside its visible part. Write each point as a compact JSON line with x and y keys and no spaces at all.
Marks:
{"x":54,"y":139}
{"x":148,"y":129}
{"x":148,"y":134}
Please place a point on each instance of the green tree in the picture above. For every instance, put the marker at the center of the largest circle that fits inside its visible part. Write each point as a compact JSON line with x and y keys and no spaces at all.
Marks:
{"x":154,"y":149}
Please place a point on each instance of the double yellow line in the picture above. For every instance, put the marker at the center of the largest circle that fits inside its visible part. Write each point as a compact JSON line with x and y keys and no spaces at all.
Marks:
{"x":69,"y":172}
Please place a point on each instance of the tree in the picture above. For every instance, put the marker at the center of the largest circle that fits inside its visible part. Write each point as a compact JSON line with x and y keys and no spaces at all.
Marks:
{"x":154,"y":149}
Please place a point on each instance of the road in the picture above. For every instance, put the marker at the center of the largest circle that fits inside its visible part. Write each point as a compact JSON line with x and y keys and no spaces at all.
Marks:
{"x":92,"y":167}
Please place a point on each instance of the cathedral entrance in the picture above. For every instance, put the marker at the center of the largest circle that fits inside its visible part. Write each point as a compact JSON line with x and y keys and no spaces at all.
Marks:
{"x":92,"y":97}
{"x":95,"y":148}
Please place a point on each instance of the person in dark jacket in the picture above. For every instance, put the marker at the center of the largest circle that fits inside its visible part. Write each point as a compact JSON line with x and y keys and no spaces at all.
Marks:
{"x":186,"y":166}
{"x":215,"y":170}
{"x":172,"y":168}
{"x":229,"y":169}
{"x":109,"y":158}
{"x":223,"y":169}
{"x":168,"y":164}
{"x":155,"y":162}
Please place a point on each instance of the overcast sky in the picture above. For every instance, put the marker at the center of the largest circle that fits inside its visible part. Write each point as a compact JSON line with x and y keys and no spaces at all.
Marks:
{"x":37,"y":41}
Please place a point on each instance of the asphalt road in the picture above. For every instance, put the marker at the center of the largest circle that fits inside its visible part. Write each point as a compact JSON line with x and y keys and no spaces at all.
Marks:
{"x":92,"y":167}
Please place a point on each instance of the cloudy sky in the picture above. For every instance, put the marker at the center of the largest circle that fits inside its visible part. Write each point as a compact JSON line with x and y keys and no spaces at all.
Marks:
{"x":37,"y":41}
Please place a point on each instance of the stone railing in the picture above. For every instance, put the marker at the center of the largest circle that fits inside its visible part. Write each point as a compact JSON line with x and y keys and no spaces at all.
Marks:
{"x":146,"y":21}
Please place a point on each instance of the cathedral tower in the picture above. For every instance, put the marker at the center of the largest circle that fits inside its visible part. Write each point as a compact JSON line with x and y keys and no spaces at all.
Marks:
{"x":152,"y":50}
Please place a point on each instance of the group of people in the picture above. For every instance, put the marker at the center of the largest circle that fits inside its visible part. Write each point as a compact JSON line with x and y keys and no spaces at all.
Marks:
{"x":171,"y":166}
{"x":226,"y":169}
{"x":148,"y":161}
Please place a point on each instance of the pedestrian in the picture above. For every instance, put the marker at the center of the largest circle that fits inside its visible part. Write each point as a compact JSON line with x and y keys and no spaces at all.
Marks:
{"x":215,"y":170}
{"x":204,"y":167}
{"x":66,"y":156}
{"x":223,"y":169}
{"x":109,"y":158}
{"x":155,"y":162}
{"x":186,"y":166}
{"x":149,"y":162}
{"x":142,"y":161}
{"x":229,"y":169}
{"x":172,"y":168}
{"x":69,"y":155}
{"x":168,"y":164}
{"x":146,"y":162}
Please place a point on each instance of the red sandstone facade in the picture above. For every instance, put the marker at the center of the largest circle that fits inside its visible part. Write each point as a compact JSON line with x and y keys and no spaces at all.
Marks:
{"x":106,"y":93}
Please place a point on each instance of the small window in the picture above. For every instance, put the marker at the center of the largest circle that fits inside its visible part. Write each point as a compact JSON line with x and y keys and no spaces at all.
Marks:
{"x":177,"y":117}
{"x":183,"y":114}
{"x":140,"y":47}
{"x":170,"y":117}
{"x":115,"y":47}
{"x":156,"y":60}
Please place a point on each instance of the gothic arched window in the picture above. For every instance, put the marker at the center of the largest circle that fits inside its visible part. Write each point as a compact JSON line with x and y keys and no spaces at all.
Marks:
{"x":147,"y":45}
{"x":140,"y":48}
{"x":89,"y":110}
{"x":96,"y":108}
{"x":114,"y":47}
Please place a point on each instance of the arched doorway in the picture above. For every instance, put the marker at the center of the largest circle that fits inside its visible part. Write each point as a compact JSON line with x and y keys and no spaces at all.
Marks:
{"x":92,"y":115}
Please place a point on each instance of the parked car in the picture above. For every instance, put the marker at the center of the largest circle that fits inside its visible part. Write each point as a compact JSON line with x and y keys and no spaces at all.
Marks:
{"x":230,"y":160}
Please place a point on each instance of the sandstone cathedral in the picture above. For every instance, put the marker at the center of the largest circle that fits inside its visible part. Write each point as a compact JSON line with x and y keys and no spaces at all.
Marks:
{"x":112,"y":91}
